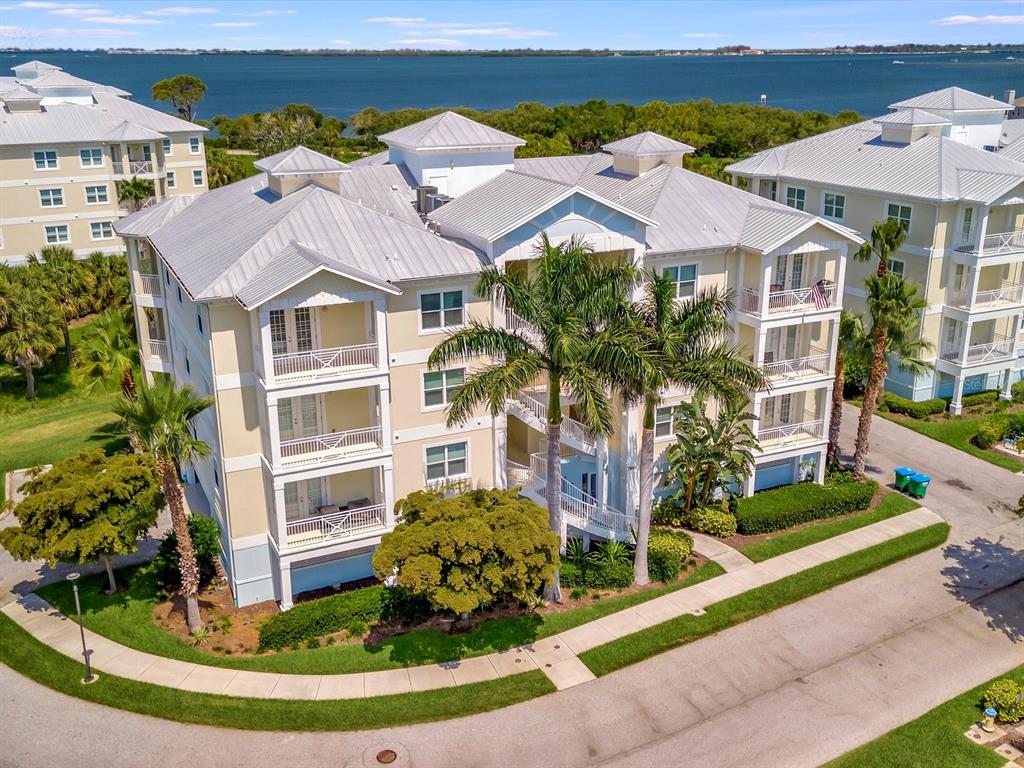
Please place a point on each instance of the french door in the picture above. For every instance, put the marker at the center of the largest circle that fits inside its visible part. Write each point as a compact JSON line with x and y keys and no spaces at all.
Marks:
{"x":304,"y":498}
{"x":777,"y":411}
{"x":967,"y":227}
{"x":789,"y":271}
{"x":299,"y":416}
{"x":292,"y":330}
{"x":780,"y":344}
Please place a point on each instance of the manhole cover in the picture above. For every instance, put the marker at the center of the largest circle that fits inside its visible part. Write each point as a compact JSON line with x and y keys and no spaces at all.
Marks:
{"x":387,"y":756}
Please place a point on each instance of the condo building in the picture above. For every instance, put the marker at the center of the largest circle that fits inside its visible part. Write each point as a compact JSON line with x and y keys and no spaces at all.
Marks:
{"x":938,"y":163}
{"x":306,"y":301}
{"x":65,"y":142}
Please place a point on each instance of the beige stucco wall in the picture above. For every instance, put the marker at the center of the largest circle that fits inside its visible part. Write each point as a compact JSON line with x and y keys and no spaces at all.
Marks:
{"x":350,"y":409}
{"x":343,"y":325}
{"x":246,"y":502}
{"x":238,"y":411}
{"x":404,"y":334}
{"x":349,"y":486}
{"x":410,"y":473}
{"x":231,"y":339}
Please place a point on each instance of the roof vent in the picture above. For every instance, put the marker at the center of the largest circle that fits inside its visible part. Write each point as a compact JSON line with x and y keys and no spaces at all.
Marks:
{"x":639,"y":153}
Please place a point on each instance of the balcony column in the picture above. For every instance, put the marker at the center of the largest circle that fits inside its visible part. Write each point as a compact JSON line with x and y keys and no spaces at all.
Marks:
{"x":973,"y":278}
{"x":380,"y":329}
{"x":966,"y":342}
{"x":1006,"y":393}
{"x":388,"y":481}
{"x":280,"y":516}
{"x":275,"y":432}
{"x":759,"y":345}
{"x":741,"y":259}
{"x":500,"y":436}
{"x":286,"y":586}
{"x":955,"y":405}
{"x":601,"y":460}
{"x":384,"y":408}
{"x":982,"y":231}
{"x":265,"y":344}
{"x":844,"y":250}
{"x":766,"y":285}
{"x":833,"y":345}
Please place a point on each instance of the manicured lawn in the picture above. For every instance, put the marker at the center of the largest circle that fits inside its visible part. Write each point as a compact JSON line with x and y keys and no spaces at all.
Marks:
{"x":957,"y":432}
{"x":40,"y":663}
{"x":127,"y":619}
{"x":748,"y":605}
{"x":891,"y":505}
{"x":934,"y":740}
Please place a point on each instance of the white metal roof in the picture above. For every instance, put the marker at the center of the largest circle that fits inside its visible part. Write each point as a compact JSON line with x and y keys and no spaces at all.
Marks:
{"x":298,"y":161}
{"x":647,"y":143}
{"x":126,"y":131}
{"x":952,"y":99}
{"x":19,"y":93}
{"x":912,"y":116}
{"x":1014,"y":150}
{"x":449,"y":130}
{"x":34,"y":66}
{"x":380,"y":158}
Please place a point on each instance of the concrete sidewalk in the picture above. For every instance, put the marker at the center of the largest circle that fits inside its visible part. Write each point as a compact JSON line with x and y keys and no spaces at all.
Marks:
{"x":556,"y":656}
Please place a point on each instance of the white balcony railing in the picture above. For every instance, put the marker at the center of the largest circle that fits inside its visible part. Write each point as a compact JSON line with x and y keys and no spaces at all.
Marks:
{"x":335,"y":525}
{"x":581,"y":508}
{"x":810,"y":299}
{"x":518,"y":475}
{"x":996,"y":244}
{"x":331,"y":447}
{"x":132,"y":167}
{"x":1008,"y":293}
{"x":322,"y":363}
{"x":150,"y":284}
{"x":974,"y":354}
{"x":783,"y":435}
{"x":814,"y":364}
{"x":158,"y":350}
{"x":530,"y":404}
{"x":514,"y":322}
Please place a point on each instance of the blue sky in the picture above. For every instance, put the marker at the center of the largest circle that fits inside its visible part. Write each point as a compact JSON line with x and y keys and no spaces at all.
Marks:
{"x":504,"y":24}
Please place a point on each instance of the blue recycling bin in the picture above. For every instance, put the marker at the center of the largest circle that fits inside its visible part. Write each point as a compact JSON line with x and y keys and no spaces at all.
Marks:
{"x":918,"y":485}
{"x":903,"y":475}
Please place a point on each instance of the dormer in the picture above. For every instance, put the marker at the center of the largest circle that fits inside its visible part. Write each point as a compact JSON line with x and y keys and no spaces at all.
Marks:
{"x":906,"y":126}
{"x":21,"y":100}
{"x":974,"y":119}
{"x":30,"y":70}
{"x":295,"y":168}
{"x":451,"y":153}
{"x":637,"y":154}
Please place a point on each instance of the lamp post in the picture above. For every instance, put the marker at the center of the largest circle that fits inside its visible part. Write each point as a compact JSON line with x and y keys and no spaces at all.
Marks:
{"x":89,"y":676}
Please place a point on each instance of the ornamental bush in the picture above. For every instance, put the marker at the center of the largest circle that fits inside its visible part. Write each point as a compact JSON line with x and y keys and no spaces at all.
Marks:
{"x":667,"y":550}
{"x":998,"y":427}
{"x":794,"y":504}
{"x":1017,"y":392}
{"x":205,"y":535}
{"x":668,"y":512}
{"x":914,"y":409}
{"x":980,"y":398}
{"x":1006,"y":697}
{"x":596,"y":574}
{"x":713,"y":521}
{"x":315,"y":618}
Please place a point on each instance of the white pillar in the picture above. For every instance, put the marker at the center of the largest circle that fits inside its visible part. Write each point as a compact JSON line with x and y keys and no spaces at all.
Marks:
{"x":601,"y":460}
{"x":965,"y":342}
{"x":759,"y":345}
{"x":266,"y":345}
{"x":286,"y":586}
{"x":766,"y":285}
{"x":841,"y":275}
{"x":973,"y":276}
{"x":388,"y":480}
{"x":280,"y":514}
{"x":631,"y":461}
{"x":380,"y":328}
{"x":1006,"y":394}
{"x":275,"y":431}
{"x":955,"y":405}
{"x":819,"y":470}
{"x":384,"y":407}
{"x":499,"y":434}
{"x":742,"y":259}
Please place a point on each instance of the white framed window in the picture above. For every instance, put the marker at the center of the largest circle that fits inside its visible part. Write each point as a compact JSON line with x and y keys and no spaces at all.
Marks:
{"x":685,"y":278}
{"x":170,"y":180}
{"x":769,"y":188}
{"x":168,"y":147}
{"x":45,"y":159}
{"x":56,"y":234}
{"x":101,"y":230}
{"x":51,"y":198}
{"x":664,"y":421}
{"x":91,"y":158}
{"x":439,"y":387}
{"x":834,"y":206}
{"x":796,"y":198}
{"x":199,"y":321}
{"x":94,"y":195}
{"x":441,"y":309}
{"x":899,"y":212}
{"x":194,"y":145}
{"x":896,"y":266}
{"x":197,"y":177}
{"x":446,"y":462}
{"x":178,"y":286}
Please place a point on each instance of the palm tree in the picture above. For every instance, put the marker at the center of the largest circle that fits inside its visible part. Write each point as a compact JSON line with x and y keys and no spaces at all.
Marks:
{"x":894,"y":307}
{"x":107,"y":276}
{"x":133,"y":191}
{"x":687,"y":456}
{"x":853,"y":344}
{"x":682,"y":345}
{"x":886,"y":238}
{"x":30,"y":333}
{"x":159,"y":420}
{"x":109,"y":351}
{"x":732,"y":443}
{"x":570,"y":298}
{"x":62,"y":276}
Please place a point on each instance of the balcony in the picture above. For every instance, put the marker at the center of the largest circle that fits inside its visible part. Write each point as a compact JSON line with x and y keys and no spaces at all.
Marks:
{"x":333,"y":447}
{"x":998,"y":244}
{"x":784,"y":436}
{"x":324,"y":363}
{"x":1000,"y":348}
{"x":150,"y":284}
{"x":133,"y":167}
{"x":159,"y":350}
{"x":531,"y":407}
{"x":819,"y":297}
{"x":1006,"y":296}
{"x":810,"y":366}
{"x":336,"y":522}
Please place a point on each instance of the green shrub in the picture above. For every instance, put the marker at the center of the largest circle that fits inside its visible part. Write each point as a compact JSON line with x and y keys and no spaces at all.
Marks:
{"x":205,"y":535}
{"x":794,"y":504}
{"x":980,"y":398}
{"x":998,"y":427}
{"x":667,"y":550}
{"x":668,"y":512}
{"x":1005,"y":697}
{"x":325,"y":616}
{"x":713,"y":521}
{"x":597,"y":574}
{"x":1017,"y":392}
{"x":401,"y":606}
{"x":914,"y":409}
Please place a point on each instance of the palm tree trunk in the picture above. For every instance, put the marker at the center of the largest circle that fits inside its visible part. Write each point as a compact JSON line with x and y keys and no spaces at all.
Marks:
{"x":876,"y":379}
{"x":30,"y":382}
{"x":187,"y":565}
{"x":553,"y":482}
{"x":110,"y":574}
{"x":128,"y":384}
{"x":836,"y":419}
{"x":641,"y":576}
{"x":67,"y":344}
{"x":691,"y":486}
{"x":705,"y":491}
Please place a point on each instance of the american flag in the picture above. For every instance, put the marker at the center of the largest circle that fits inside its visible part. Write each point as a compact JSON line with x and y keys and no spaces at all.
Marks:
{"x":821,"y":295}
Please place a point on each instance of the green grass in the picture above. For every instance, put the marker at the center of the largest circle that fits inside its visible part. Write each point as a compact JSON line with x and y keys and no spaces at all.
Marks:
{"x":40,"y":663}
{"x":748,"y":605}
{"x":891,"y":505}
{"x":957,"y":432}
{"x":934,"y":740}
{"x":127,"y":619}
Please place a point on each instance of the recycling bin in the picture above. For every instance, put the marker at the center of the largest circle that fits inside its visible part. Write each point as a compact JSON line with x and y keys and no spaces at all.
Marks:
{"x":918,"y":485}
{"x":903,"y":475}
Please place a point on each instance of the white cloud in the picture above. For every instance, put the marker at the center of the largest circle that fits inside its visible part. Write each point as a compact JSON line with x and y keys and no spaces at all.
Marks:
{"x":949,"y":21}
{"x":37,"y":5}
{"x":250,"y":38}
{"x":129,"y":21}
{"x":398,"y":21}
{"x":271,"y":12}
{"x":232,"y":24}
{"x":508,"y":33}
{"x":704,"y":35}
{"x":79,"y":12}
{"x":416,"y":42}
{"x":62,"y":32}
{"x":179,"y":10}
{"x":342,"y":43}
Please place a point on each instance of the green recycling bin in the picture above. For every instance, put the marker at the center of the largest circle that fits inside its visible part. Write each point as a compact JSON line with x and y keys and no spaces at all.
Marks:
{"x":918,"y":485}
{"x":903,"y":475}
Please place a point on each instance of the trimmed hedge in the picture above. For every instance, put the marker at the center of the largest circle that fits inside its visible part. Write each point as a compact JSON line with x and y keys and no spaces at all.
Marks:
{"x":667,"y":550}
{"x":315,"y":618}
{"x":795,"y":504}
{"x":980,"y":398}
{"x":912,"y":408}
{"x":1017,"y":392}
{"x":596,"y":575}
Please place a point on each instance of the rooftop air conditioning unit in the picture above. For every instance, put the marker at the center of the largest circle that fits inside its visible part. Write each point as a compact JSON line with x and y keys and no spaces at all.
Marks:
{"x":421,"y":198}
{"x":436,"y":201}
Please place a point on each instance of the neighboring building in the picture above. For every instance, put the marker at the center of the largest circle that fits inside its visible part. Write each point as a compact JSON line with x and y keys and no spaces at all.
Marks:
{"x":307,"y":300}
{"x":65,"y":143}
{"x":929,"y":163}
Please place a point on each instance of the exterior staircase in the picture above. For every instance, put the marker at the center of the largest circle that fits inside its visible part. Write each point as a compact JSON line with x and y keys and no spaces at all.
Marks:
{"x":531,"y":407}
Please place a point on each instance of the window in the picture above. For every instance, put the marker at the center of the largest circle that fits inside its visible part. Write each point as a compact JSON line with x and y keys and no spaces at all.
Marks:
{"x":101,"y":230}
{"x":446,"y":461}
{"x":770,"y":189}
{"x":199,"y":322}
{"x":91,"y":158}
{"x":197,"y":177}
{"x":439,"y":387}
{"x":57,"y":233}
{"x":685,"y":278}
{"x":193,"y":145}
{"x":168,"y":147}
{"x":170,"y":180}
{"x":97,"y":194}
{"x":664,"y":421}
{"x":834,"y":207}
{"x":278,"y":332}
{"x":216,"y":474}
{"x":51,"y":198}
{"x":441,"y":310}
{"x":188,"y":368}
{"x":179,"y":293}
{"x":796,"y":198}
{"x":45,"y":159}
{"x":899,"y":212}
{"x":896,"y":266}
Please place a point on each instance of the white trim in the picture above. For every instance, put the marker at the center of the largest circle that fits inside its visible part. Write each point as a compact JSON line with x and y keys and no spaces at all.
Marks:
{"x":59,"y":190}
{"x":106,"y":191}
{"x":885,"y":211}
{"x":198,"y":143}
{"x":420,"y":330}
{"x":172,"y":179}
{"x":445,"y":402}
{"x":241,"y":463}
{"x":785,"y":200}
{"x":410,"y":357}
{"x":167,"y":146}
{"x":439,"y":430}
{"x":202,"y":180}
{"x":58,"y":241}
{"x":679,"y":265}
{"x":224,"y":381}
{"x":101,"y":164}
{"x":837,"y":219}
{"x":46,"y":167}
{"x":92,"y":232}
{"x":447,"y":478}
{"x":249,"y":542}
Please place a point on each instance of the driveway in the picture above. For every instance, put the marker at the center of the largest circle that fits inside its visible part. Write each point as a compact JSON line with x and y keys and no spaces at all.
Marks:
{"x":793,"y":688}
